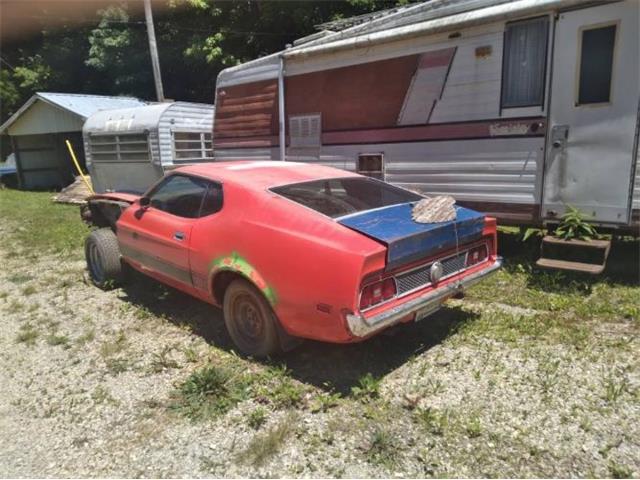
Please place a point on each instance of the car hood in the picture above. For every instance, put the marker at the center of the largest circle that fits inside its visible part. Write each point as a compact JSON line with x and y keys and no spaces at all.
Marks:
{"x":407,"y":240}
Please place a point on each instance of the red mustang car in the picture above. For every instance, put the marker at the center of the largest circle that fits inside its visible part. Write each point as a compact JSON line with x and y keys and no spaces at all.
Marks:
{"x":290,"y":250}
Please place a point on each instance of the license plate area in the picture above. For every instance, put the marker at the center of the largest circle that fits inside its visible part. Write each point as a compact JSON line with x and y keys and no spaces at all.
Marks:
{"x":424,"y":312}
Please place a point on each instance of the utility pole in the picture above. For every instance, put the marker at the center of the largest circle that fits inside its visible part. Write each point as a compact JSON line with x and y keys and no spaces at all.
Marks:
{"x":153,"y":49}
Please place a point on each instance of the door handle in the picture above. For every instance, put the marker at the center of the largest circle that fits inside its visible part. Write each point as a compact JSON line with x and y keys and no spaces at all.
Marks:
{"x":178,"y":236}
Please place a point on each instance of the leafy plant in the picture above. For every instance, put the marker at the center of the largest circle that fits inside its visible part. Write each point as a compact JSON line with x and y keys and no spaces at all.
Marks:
{"x":368,"y":387}
{"x":575,"y":226}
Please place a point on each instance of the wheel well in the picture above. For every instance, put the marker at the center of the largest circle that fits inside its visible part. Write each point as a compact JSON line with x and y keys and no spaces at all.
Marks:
{"x":221,"y":282}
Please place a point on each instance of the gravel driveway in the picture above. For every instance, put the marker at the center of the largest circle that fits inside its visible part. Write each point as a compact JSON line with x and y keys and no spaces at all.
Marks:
{"x":99,"y":384}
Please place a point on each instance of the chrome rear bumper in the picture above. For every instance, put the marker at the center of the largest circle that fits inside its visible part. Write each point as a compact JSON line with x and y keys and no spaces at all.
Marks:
{"x":361,"y":326}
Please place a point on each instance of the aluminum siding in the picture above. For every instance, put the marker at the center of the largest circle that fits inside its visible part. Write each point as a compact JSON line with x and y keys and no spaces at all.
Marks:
{"x":181,"y":116}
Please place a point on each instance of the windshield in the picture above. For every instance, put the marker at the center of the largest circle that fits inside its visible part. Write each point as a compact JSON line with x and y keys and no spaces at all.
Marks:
{"x":337,"y":197}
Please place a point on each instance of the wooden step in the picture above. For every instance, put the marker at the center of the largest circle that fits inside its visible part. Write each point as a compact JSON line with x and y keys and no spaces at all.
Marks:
{"x":602,"y":244}
{"x":591,"y":268}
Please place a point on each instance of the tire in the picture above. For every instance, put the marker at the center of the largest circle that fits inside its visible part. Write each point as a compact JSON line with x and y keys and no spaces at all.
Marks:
{"x":250,"y":321}
{"x":102,"y":253}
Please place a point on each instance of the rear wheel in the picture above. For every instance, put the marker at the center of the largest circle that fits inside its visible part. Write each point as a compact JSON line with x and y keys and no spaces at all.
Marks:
{"x":103,"y":258}
{"x":250,"y":320}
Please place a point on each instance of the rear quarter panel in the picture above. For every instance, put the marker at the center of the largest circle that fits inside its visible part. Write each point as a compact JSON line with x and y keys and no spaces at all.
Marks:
{"x":308,"y":266}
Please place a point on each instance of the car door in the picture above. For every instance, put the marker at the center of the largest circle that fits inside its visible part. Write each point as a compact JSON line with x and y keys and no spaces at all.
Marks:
{"x":156,"y":237}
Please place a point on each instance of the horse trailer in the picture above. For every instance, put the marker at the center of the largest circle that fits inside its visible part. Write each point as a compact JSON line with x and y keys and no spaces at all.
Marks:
{"x":516,"y":108}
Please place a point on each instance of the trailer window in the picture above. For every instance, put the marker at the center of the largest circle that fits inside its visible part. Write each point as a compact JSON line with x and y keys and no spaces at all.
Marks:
{"x":127,"y":147}
{"x":337,"y":197}
{"x":524,"y":63}
{"x":192,"y":146}
{"x":596,"y":65}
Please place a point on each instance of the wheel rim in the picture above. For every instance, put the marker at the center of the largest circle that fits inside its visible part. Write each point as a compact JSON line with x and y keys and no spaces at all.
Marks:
{"x":248,"y":318}
{"x":95,"y":263}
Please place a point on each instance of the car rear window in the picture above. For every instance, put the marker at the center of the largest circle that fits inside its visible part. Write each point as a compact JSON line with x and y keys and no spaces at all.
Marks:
{"x":338,"y":197}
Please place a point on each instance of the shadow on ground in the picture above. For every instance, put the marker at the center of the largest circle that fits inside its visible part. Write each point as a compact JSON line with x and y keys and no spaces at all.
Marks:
{"x":327,"y":366}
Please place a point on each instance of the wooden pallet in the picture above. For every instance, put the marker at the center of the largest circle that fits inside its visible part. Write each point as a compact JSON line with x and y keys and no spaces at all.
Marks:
{"x":571,"y":248}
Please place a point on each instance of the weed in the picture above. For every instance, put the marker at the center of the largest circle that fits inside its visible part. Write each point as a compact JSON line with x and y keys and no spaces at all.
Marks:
{"x":162,"y":361}
{"x":190,"y":354}
{"x":266,"y":445}
{"x":19,"y":278}
{"x":575,"y":226}
{"x":16,"y":306}
{"x":435,"y":422}
{"x":473,"y":427}
{"x":256,"y":418}
{"x":115,"y":346}
{"x":101,"y":395}
{"x":615,"y":386}
{"x":61,"y":340}
{"x":210,"y":391}
{"x":118,"y":365}
{"x":87,"y":337}
{"x":620,"y":471}
{"x":277,"y":387}
{"x":325,"y":401}
{"x":383,"y":448}
{"x":29,"y":290}
{"x":28,"y":334}
{"x":368,"y":387}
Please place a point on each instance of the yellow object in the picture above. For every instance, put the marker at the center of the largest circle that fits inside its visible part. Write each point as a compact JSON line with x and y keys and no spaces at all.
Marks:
{"x":75,"y":162}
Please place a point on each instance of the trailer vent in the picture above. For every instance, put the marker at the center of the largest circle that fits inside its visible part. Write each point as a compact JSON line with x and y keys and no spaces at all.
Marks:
{"x":130,"y":147}
{"x":371,"y":165}
{"x":304,"y":130}
{"x":192,"y":147}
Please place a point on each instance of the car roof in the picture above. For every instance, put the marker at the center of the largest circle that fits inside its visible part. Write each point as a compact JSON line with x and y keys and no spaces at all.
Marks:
{"x":264,"y":174}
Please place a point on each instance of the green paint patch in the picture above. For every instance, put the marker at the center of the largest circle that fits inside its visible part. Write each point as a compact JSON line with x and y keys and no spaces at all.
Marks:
{"x":237,"y":263}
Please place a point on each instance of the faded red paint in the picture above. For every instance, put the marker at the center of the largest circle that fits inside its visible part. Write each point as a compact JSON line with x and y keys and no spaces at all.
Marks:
{"x":297,"y":257}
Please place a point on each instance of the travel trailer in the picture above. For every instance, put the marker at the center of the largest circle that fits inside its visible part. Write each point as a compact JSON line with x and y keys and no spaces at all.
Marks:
{"x":516,"y":108}
{"x":129,"y":149}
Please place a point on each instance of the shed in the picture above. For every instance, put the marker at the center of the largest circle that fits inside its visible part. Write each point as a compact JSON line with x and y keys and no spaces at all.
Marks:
{"x":38,"y":131}
{"x":129,"y":149}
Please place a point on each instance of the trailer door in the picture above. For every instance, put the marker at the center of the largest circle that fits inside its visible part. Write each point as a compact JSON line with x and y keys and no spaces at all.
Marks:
{"x":593,"y":113}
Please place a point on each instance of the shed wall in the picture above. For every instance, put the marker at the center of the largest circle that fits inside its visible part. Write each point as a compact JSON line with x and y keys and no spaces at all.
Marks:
{"x":42,"y":118}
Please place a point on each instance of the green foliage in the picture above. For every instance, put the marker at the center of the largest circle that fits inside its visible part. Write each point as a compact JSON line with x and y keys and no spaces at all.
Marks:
{"x":383,"y":448}
{"x":368,"y":387}
{"x":257,"y":418}
{"x":574,"y":226}
{"x":210,"y":392}
{"x":106,"y":51}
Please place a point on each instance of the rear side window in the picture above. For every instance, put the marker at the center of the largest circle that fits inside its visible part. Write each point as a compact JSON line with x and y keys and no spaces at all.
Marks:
{"x":596,"y":64}
{"x":337,"y":197}
{"x":212,"y":202}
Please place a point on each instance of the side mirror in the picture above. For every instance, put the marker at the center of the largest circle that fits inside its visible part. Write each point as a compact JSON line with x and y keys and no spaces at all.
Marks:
{"x":144,"y":202}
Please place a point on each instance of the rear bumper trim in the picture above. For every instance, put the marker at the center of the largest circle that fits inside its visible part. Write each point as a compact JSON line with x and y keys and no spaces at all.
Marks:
{"x":362,"y":327}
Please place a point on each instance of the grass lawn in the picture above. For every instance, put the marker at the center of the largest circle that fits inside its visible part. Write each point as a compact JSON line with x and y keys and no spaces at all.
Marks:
{"x":41,"y":226}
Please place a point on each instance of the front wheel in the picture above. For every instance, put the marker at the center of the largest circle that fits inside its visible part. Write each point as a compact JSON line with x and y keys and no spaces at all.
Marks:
{"x":250,"y":320}
{"x":103,"y":258}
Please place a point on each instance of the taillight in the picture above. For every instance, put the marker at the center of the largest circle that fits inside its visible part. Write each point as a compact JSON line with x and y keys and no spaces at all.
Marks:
{"x":476,"y":255}
{"x":378,"y":292}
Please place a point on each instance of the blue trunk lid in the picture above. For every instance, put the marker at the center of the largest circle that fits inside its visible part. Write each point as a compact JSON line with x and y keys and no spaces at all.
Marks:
{"x":408,"y":240}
